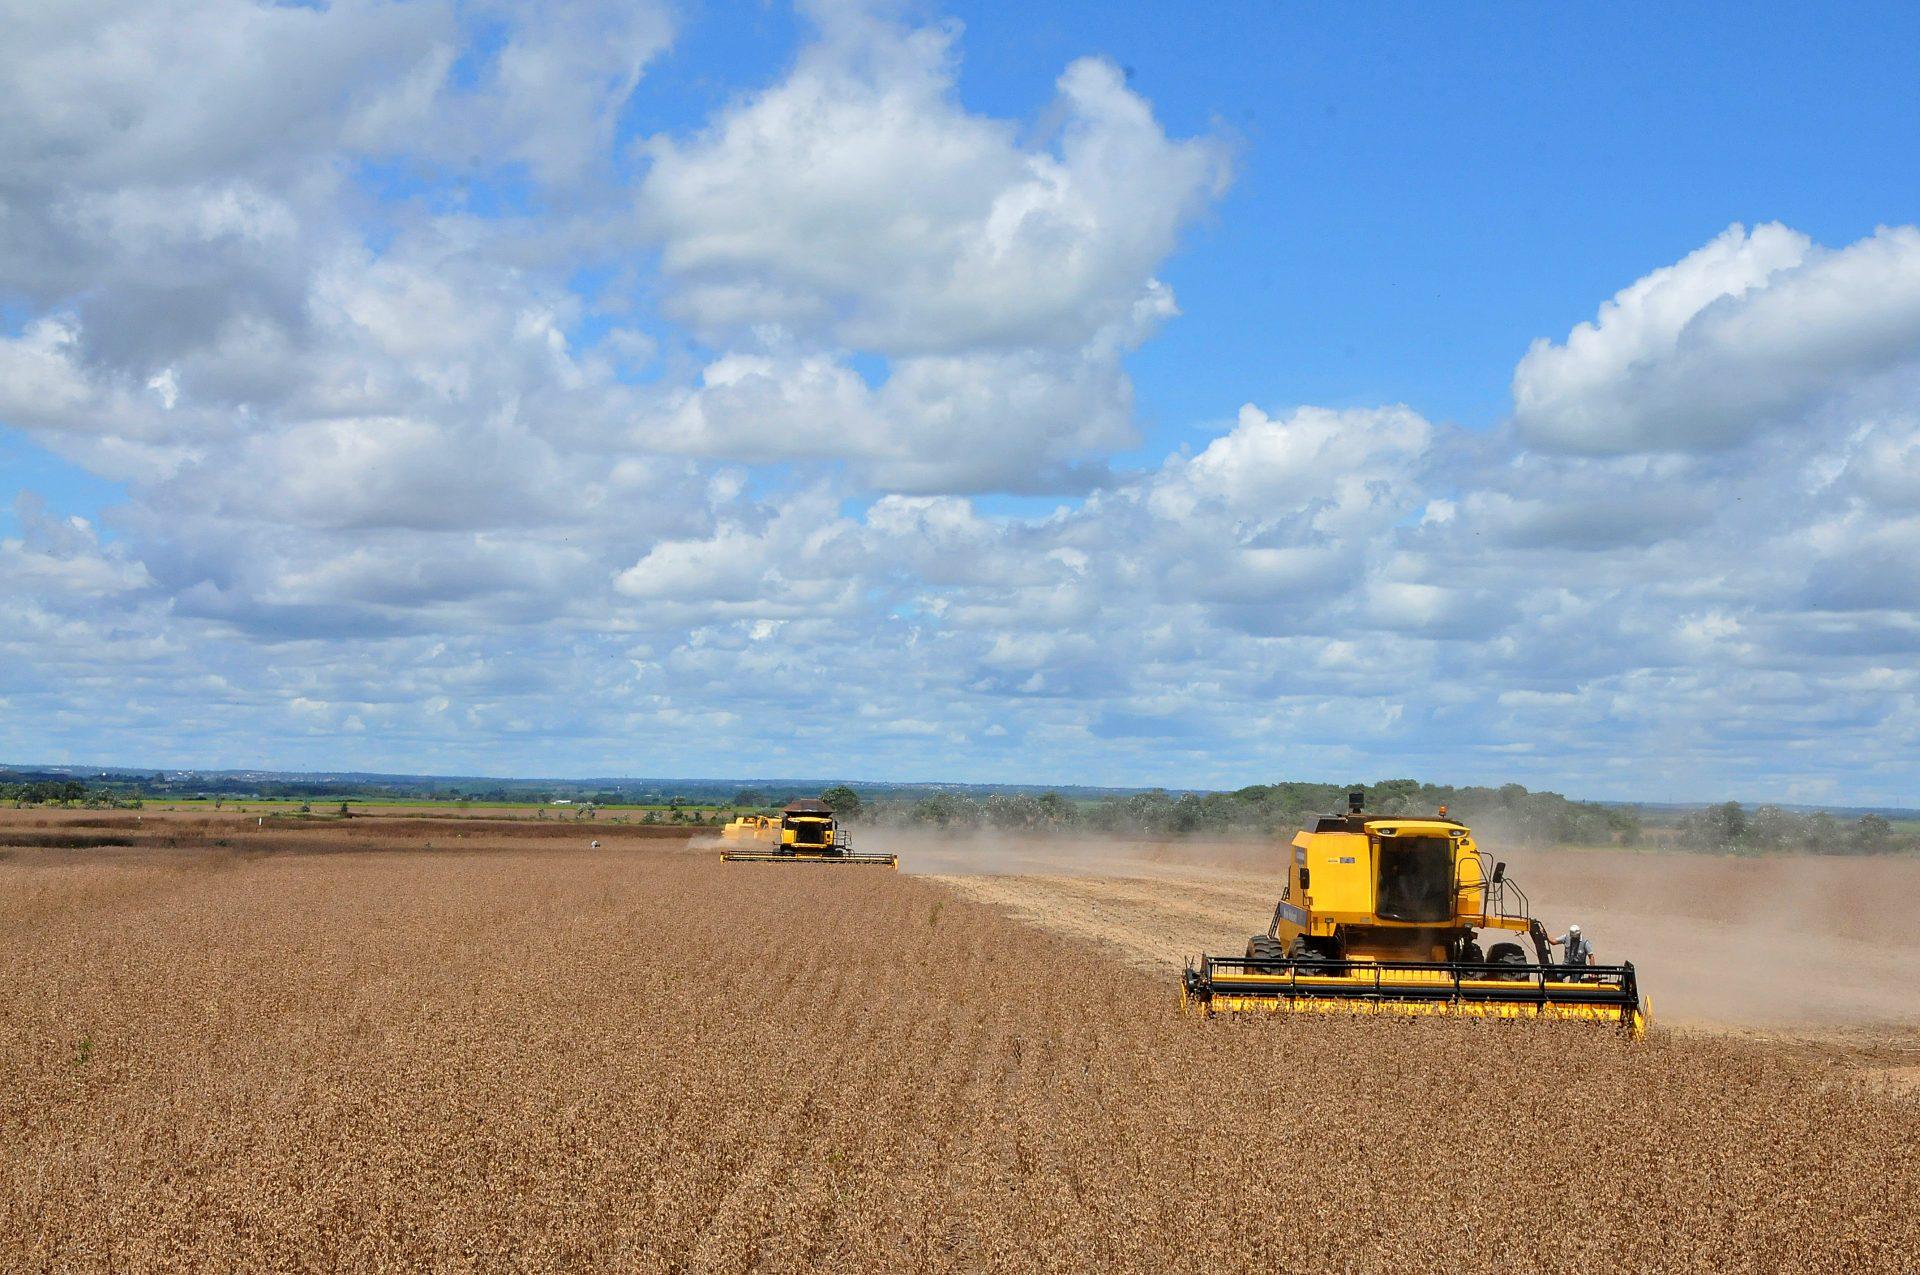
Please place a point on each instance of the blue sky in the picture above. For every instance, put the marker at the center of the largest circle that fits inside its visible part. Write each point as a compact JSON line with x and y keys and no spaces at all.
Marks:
{"x":960,"y":391}
{"x":1419,"y":192}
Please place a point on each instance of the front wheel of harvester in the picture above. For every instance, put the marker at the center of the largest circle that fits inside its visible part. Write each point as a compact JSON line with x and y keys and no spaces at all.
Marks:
{"x":1263,"y":947}
{"x":1470,"y":954}
{"x":1507,"y":954}
{"x":1302,"y":949}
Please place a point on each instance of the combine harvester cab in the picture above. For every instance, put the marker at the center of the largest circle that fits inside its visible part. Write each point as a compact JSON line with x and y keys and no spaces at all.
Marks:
{"x":1383,"y":915}
{"x":804,"y":832}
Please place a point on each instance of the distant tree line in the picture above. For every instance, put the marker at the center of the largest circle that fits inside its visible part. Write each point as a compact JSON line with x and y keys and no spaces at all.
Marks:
{"x":1730,"y":829}
{"x":65,"y":792}
{"x":1270,"y":809}
{"x":1509,"y":812}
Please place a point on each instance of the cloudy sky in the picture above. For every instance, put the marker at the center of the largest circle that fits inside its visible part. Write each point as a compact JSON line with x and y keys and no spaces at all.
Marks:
{"x":893,"y":392}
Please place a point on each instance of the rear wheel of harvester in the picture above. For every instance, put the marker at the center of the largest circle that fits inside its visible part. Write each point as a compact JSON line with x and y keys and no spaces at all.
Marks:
{"x":1263,"y":947}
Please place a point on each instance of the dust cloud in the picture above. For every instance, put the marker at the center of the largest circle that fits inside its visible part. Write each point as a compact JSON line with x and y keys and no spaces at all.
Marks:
{"x":1771,"y":942}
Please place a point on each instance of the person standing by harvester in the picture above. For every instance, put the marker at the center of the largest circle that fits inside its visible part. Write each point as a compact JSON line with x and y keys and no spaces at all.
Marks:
{"x":1579,"y":951}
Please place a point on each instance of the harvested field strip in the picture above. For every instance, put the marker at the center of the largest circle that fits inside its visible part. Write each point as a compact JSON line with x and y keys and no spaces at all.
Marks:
{"x":1190,"y":900}
{"x":96,"y":821}
{"x":438,"y":829}
{"x":1203,"y":889}
{"x":648,"y":1061}
{"x":278,"y":836}
{"x":1152,"y":931}
{"x":67,"y":840}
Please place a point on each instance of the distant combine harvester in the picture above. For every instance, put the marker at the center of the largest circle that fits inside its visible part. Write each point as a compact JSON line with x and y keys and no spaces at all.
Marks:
{"x":804,"y":832}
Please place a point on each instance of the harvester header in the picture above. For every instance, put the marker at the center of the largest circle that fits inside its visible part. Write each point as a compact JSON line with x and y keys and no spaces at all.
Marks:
{"x":803,"y":832}
{"x":1384,"y":915}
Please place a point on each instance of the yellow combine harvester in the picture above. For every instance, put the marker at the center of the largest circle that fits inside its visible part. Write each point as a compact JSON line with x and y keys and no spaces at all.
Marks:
{"x":1382,"y":915}
{"x":804,"y":832}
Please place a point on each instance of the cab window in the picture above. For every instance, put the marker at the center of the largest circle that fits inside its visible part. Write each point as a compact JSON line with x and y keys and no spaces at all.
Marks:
{"x":1416,"y":879}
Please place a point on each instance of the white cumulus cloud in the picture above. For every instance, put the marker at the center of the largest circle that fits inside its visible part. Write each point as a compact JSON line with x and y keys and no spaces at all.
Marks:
{"x":1754,"y":330}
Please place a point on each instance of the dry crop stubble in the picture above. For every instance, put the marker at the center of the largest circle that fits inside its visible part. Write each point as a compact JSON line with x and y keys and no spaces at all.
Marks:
{"x":640,"y":1059}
